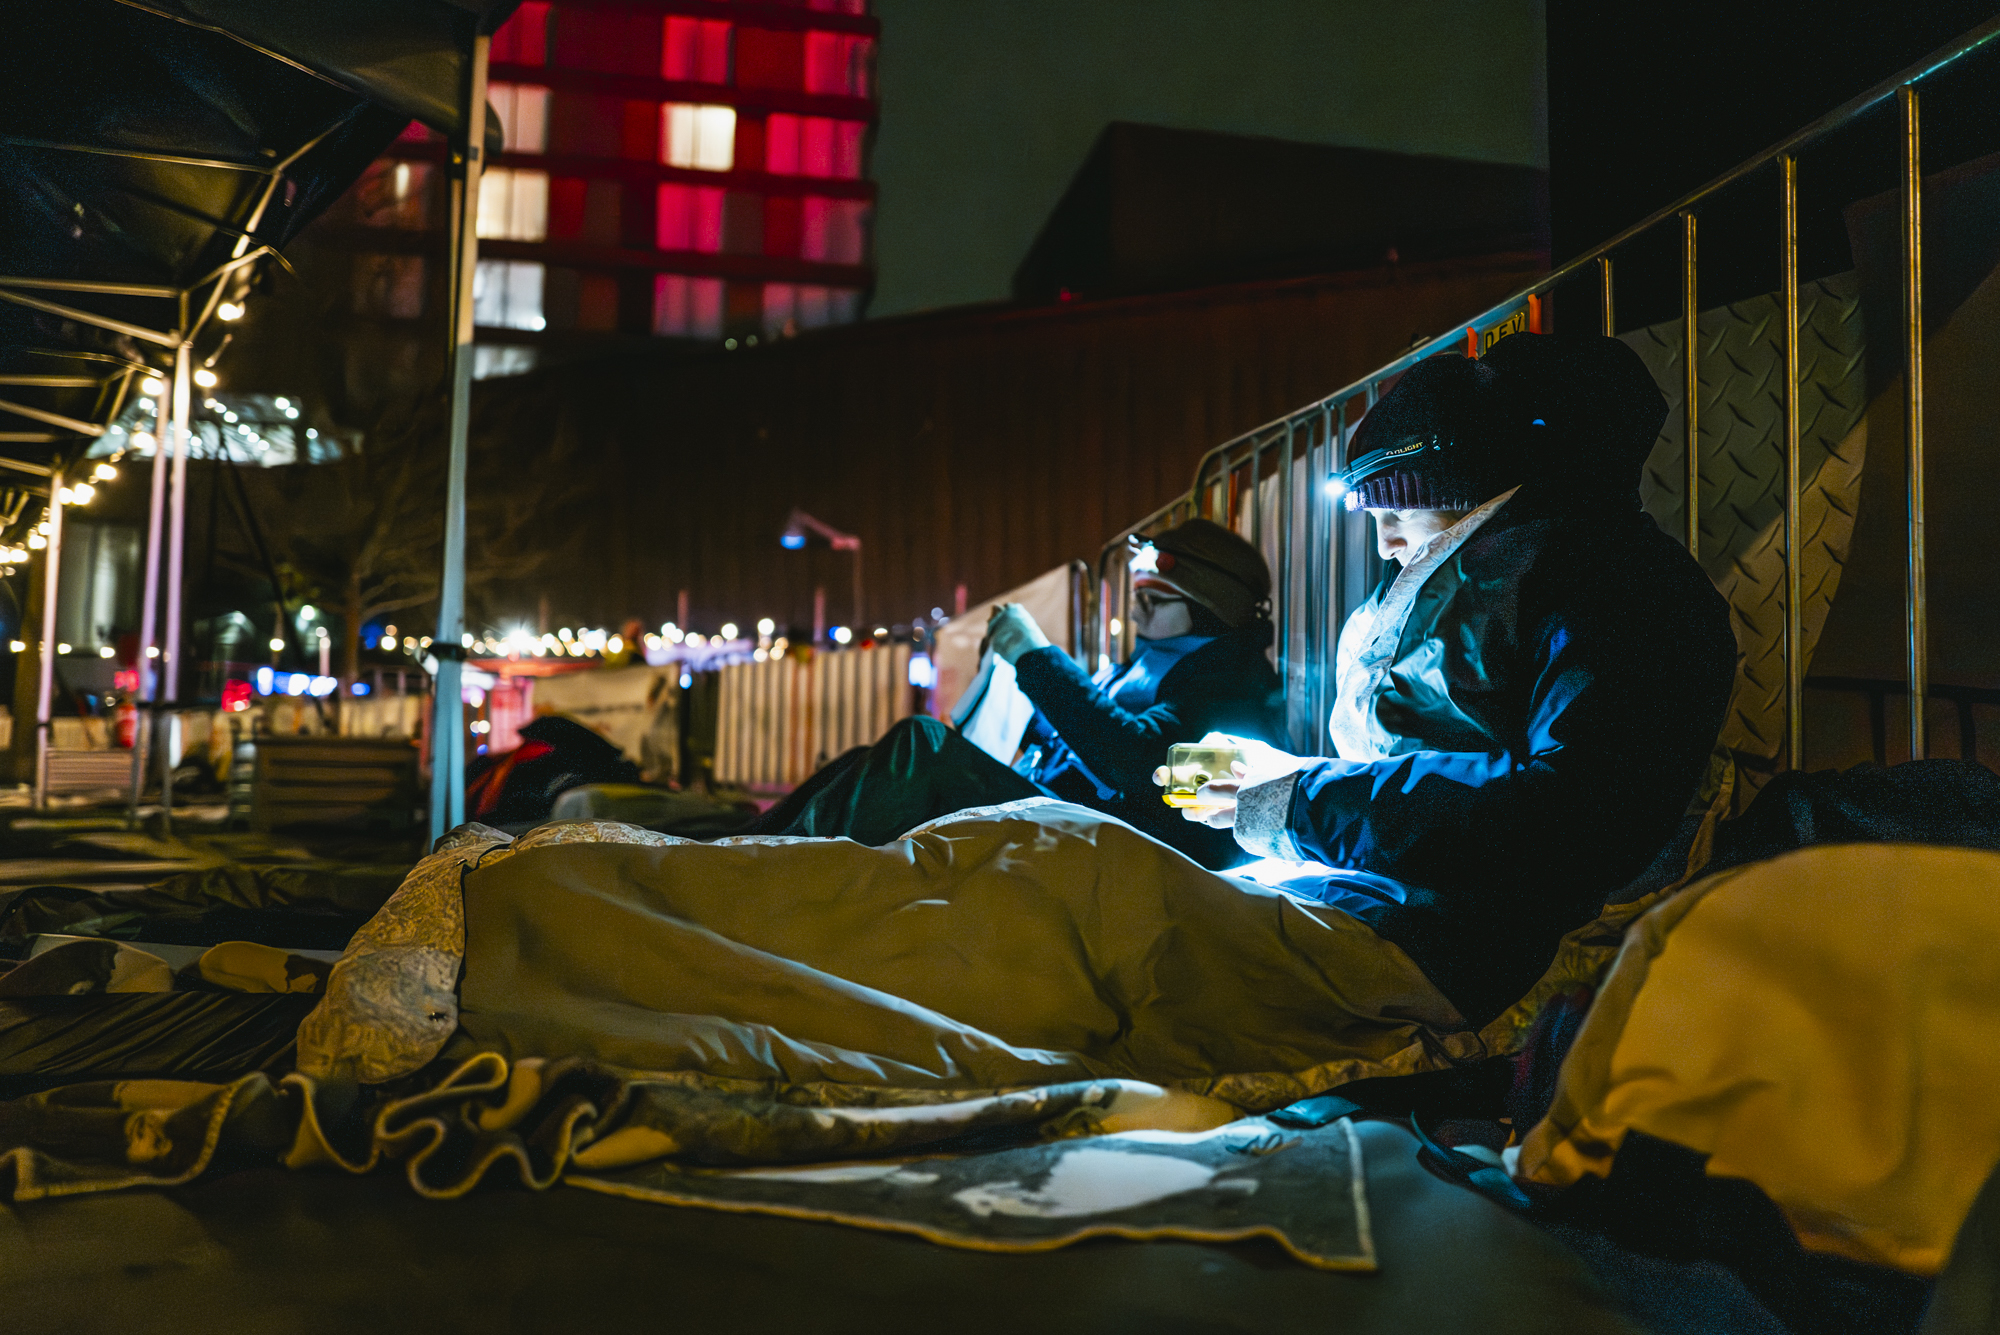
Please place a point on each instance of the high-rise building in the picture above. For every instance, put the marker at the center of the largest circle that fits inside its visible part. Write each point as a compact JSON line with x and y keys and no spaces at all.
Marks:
{"x":691,"y":169}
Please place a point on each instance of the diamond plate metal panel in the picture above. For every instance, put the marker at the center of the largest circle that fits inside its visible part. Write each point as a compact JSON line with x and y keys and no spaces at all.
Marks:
{"x":1741,"y":367}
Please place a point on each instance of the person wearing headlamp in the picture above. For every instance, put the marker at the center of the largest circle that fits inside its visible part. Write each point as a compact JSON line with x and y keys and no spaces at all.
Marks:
{"x":1200,"y":615}
{"x":1526,"y":707}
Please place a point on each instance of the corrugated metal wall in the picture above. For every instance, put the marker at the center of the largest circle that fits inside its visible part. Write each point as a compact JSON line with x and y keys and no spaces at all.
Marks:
{"x":977,"y":447}
{"x":781,"y":720}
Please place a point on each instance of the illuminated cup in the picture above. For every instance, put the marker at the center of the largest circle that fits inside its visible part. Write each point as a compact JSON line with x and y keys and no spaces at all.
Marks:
{"x":1192,"y":764}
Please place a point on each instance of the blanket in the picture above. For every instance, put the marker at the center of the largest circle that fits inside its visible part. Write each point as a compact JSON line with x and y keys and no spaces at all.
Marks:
{"x":1021,"y":1170}
{"x":1024,"y":944}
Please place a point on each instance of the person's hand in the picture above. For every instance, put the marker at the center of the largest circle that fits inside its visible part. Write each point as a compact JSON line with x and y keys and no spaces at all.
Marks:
{"x":1013,"y":633}
{"x":1257,"y":762}
{"x":1215,"y":801}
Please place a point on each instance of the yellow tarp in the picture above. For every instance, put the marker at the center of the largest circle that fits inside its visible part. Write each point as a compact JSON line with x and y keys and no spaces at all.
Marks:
{"x":1825,"y":1025}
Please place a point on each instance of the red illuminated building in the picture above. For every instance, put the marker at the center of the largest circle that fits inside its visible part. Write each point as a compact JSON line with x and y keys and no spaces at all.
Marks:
{"x":686,"y":169}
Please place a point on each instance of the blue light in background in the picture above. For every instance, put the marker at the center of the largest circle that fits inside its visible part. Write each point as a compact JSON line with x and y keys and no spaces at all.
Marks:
{"x":361,"y":688}
{"x":792,"y":541}
{"x":264,"y":681}
{"x":296,"y":683}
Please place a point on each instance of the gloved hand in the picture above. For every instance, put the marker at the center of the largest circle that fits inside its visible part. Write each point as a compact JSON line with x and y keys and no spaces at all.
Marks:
{"x":1012,"y":632}
{"x":1258,"y":762}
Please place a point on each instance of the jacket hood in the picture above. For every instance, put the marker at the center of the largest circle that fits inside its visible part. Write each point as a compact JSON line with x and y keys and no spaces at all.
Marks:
{"x":1593,"y":409}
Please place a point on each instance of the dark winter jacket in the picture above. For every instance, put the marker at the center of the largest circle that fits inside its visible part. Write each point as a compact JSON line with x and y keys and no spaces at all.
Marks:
{"x":1226,"y":685}
{"x":1560,"y":684}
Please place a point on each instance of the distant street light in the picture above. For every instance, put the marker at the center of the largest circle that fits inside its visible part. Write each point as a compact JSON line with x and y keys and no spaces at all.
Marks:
{"x":801,"y":525}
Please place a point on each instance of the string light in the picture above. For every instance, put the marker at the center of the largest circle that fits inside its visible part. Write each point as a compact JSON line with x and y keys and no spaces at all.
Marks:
{"x":153,"y":386}
{"x":206,"y":378}
{"x":229,"y":310}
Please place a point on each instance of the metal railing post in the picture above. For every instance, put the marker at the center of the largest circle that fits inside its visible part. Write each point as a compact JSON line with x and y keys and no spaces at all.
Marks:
{"x":1691,"y":384}
{"x":1608,"y":309}
{"x":1281,"y":583}
{"x":1794,"y":614}
{"x":1913,"y":391}
{"x":45,"y":667}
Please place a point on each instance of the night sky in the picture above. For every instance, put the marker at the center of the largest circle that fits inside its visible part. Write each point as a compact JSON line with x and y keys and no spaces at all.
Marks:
{"x":988,"y":109}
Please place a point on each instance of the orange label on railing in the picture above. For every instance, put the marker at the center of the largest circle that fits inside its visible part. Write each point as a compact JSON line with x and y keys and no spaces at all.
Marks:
{"x":1527,"y":318}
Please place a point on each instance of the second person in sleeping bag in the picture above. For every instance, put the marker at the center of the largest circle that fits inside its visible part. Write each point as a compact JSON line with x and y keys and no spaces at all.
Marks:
{"x":1201,"y":619}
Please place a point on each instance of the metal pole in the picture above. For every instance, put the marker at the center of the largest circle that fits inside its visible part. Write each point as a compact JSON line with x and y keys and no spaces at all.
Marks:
{"x":1610,"y":311}
{"x":170,"y":658}
{"x":149,"y":608}
{"x":1794,"y":613}
{"x":1256,"y":495}
{"x":860,"y":627}
{"x":1913,"y":429}
{"x":1281,"y":606}
{"x":1691,"y":387}
{"x":447,"y":748}
{"x":46,"y":666}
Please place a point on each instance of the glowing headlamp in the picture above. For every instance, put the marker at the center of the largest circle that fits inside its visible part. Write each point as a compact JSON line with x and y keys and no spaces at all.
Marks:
{"x":1341,"y":486}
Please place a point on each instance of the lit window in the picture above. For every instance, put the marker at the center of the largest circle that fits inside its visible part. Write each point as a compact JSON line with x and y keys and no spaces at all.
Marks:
{"x":497,"y":359}
{"x":391,"y":285}
{"x":690,"y":218}
{"x":513,"y":205}
{"x":701,"y":137}
{"x":838,"y":63}
{"x":813,"y":146}
{"x":507,"y":294}
{"x":695,"y":50}
{"x":393,"y":194}
{"x":792,"y":307}
{"x":524,"y":38}
{"x":686,"y":307}
{"x":523,"y":110}
{"x":833,"y":231}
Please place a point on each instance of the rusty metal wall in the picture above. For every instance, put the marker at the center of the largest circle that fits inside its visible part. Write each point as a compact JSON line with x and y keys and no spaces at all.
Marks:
{"x":974,"y":447}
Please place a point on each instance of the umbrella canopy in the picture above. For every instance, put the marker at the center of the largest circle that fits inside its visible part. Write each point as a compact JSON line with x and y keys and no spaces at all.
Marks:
{"x":145,"y":149}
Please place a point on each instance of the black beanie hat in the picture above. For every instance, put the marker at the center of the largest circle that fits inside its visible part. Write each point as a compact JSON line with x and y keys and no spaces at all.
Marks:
{"x":1458,"y":424}
{"x":1216,"y":567}
{"x":1599,"y":410}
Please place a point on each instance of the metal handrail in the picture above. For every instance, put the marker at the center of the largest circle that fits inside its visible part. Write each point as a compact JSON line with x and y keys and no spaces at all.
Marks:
{"x":1330,"y":583}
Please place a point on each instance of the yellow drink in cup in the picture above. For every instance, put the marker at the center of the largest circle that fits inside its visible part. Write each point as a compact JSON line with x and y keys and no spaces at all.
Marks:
{"x":1190,"y":765}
